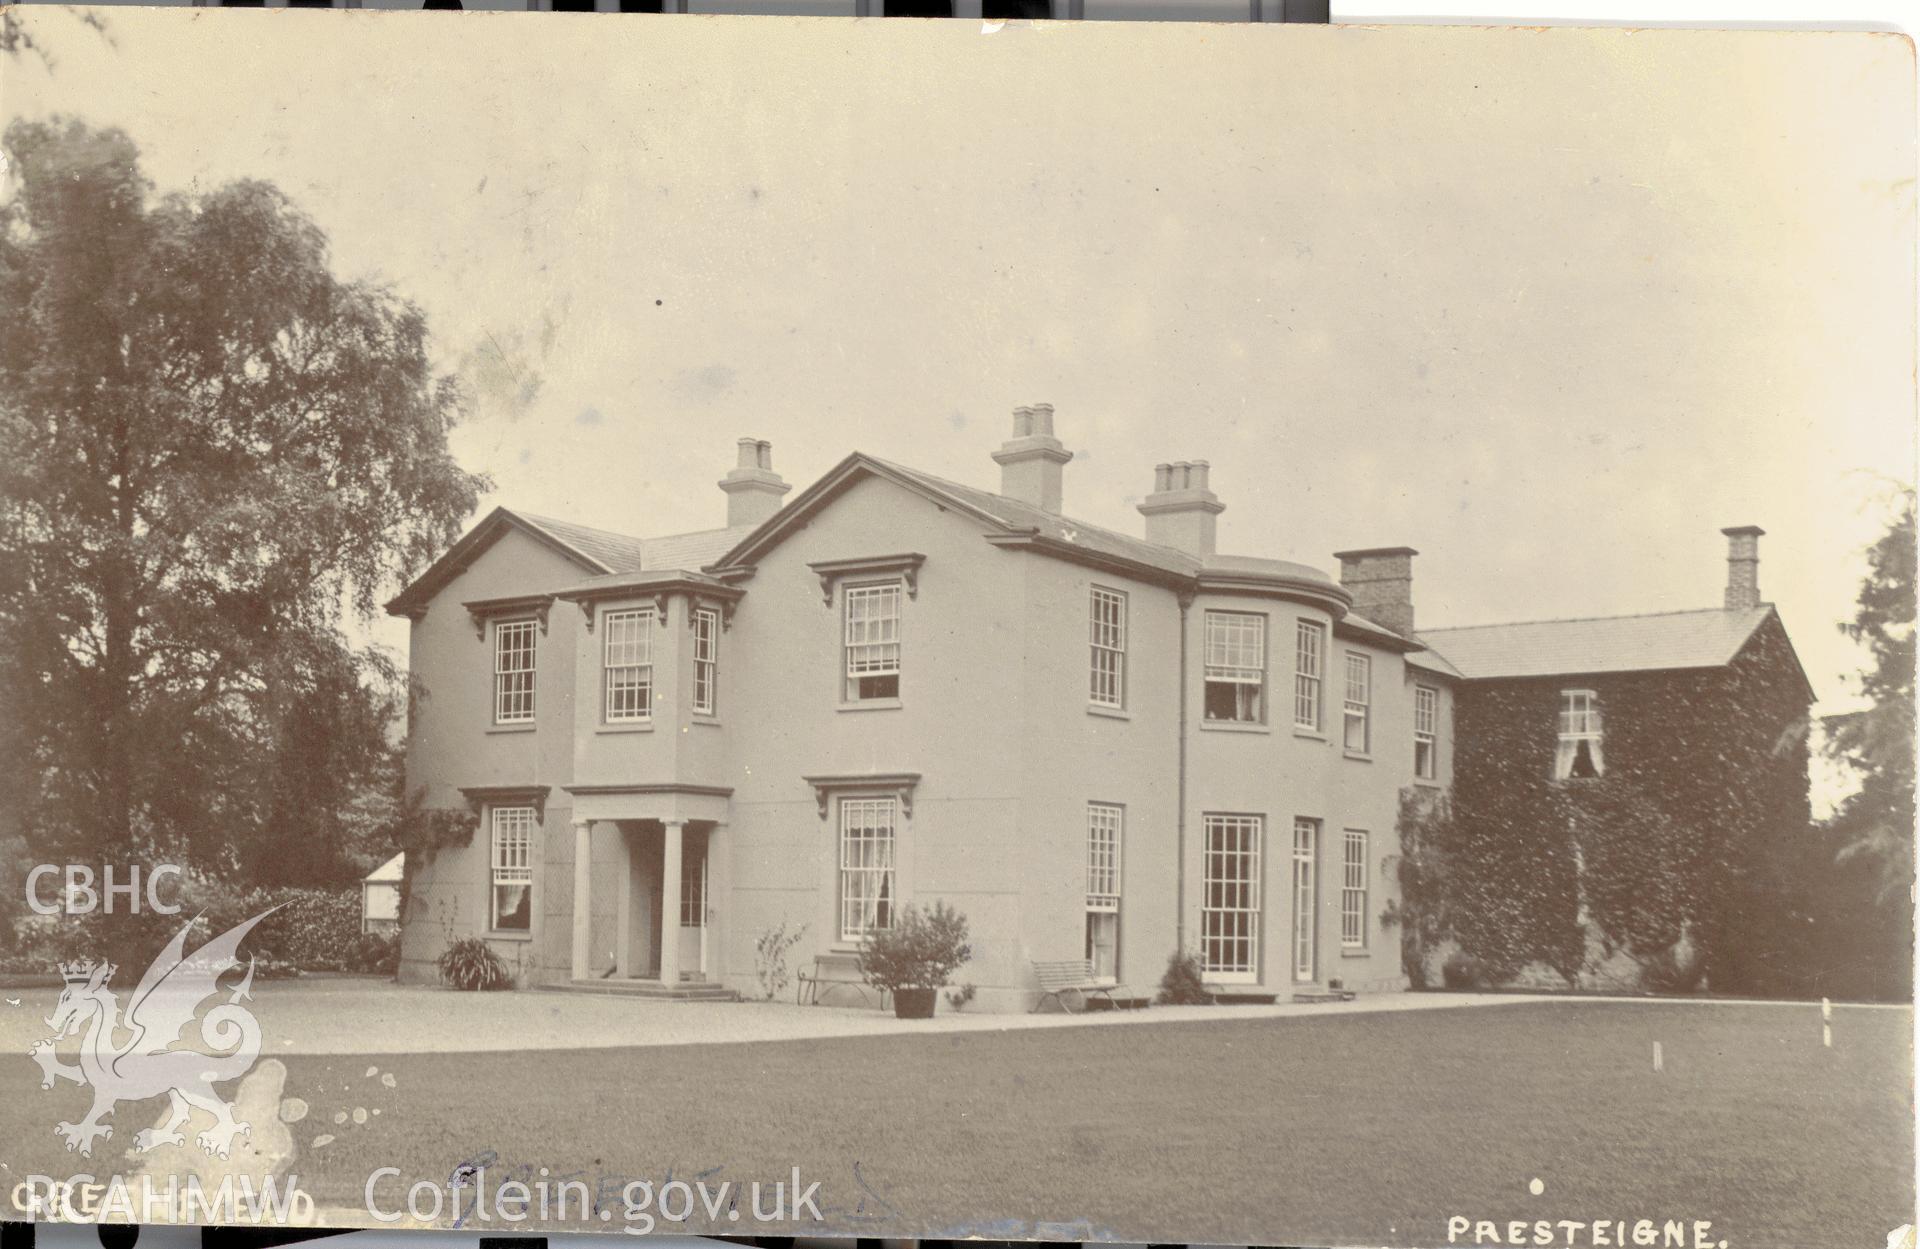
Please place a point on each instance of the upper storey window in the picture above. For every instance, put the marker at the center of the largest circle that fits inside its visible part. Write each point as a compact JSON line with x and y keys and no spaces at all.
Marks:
{"x":1426,"y":732}
{"x":1236,"y":667}
{"x":1107,"y":634}
{"x":706,"y":660}
{"x":1309,"y":660}
{"x":872,"y":642}
{"x":1579,"y":757}
{"x":1358,"y":706}
{"x":514,"y":642}
{"x":629,"y":665}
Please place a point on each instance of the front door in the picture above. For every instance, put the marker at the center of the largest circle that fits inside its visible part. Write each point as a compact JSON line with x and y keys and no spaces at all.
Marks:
{"x":1306,"y":899}
{"x":693,"y":906}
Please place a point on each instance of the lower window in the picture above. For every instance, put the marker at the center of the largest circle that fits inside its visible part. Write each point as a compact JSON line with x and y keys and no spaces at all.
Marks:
{"x":1353,"y":890}
{"x":1104,"y":824}
{"x":866,"y":866}
{"x":1230,"y":904}
{"x":512,"y":887}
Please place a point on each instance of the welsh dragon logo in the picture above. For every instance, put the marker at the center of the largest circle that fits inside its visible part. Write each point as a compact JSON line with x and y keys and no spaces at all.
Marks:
{"x":164,"y":1006}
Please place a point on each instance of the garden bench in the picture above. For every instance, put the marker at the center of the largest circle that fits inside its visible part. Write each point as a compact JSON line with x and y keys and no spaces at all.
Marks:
{"x":830,"y":972}
{"x":1075,"y":975}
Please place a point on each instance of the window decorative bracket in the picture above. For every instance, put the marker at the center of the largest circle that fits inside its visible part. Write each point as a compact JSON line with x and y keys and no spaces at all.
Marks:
{"x":905,"y":565}
{"x":899,"y":785}
{"x":486,"y":609}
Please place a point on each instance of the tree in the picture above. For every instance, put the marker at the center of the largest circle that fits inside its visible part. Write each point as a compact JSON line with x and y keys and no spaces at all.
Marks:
{"x":209,"y":446}
{"x":1875,"y":823}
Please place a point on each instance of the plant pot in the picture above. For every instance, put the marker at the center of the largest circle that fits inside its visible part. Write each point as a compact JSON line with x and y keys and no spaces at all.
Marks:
{"x":914,"y":1003}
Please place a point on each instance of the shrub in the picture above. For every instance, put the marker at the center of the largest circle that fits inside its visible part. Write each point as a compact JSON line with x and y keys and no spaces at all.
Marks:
{"x":920,"y":950}
{"x":304,"y":930}
{"x":376,"y":952}
{"x":1462,"y":971}
{"x":1183,"y":982}
{"x":1675,"y":969}
{"x":469,"y":964}
{"x":770,"y":958}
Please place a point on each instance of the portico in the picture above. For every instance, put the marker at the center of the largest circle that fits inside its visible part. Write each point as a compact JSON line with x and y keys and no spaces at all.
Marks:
{"x":669,"y":847}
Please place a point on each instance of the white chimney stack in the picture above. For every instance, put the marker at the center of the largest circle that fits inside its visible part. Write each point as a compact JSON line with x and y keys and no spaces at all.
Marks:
{"x":1033,"y":461}
{"x":1182,"y":512}
{"x":753,"y":489}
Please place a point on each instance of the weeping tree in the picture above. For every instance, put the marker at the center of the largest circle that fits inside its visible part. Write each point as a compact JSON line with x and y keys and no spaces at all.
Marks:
{"x":211,"y":450}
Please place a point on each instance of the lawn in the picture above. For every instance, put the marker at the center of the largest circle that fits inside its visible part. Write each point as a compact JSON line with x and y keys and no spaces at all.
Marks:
{"x":1368,"y":1129}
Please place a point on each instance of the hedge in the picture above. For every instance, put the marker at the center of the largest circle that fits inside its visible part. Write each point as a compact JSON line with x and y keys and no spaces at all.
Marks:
{"x":308,"y":930}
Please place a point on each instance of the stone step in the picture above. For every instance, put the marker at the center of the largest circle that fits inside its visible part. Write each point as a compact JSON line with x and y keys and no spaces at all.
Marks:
{"x":1314,"y":993}
{"x":684,"y":991}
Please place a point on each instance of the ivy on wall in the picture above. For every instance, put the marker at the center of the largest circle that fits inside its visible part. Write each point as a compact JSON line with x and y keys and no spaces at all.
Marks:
{"x":423,"y":832}
{"x":1680,"y":855}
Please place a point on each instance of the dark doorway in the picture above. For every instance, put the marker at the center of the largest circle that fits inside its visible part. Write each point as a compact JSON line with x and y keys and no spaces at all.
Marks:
{"x":919,"y":8}
{"x":1016,"y":10}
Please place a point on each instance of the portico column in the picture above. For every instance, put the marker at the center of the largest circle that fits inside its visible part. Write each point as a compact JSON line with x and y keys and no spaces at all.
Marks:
{"x":673,"y":834}
{"x":582,"y":896}
{"x":623,"y":920}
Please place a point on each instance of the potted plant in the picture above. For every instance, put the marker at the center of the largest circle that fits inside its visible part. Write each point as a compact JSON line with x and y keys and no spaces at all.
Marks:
{"x":913,"y":957}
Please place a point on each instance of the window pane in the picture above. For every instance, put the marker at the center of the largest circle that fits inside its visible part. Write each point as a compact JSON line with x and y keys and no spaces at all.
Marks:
{"x":706,"y":668}
{"x":629,"y":664}
{"x":1230,"y":897}
{"x":1107,"y":636}
{"x":512,"y":868}
{"x":1353,"y":889}
{"x":866,"y":865}
{"x":1308,"y":644}
{"x":513,"y":671}
{"x":873,"y":641}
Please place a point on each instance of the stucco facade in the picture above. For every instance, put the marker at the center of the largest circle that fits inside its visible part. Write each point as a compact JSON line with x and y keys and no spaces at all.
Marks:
{"x":992,"y":768}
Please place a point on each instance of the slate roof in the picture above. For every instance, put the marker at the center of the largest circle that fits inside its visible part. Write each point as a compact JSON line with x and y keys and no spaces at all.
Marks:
{"x":1652,"y":643}
{"x":621,"y":553}
{"x":598,"y":551}
{"x":1014,"y":514}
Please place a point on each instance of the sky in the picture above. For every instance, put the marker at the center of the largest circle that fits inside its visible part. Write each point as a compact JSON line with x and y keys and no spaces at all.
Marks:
{"x":1553,"y":307}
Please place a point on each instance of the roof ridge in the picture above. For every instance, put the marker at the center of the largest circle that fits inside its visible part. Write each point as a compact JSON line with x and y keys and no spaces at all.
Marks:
{"x":1643,"y":615}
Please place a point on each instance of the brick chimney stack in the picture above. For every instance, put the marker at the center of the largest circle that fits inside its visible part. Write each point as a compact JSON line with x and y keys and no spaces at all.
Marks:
{"x":1743,"y":567}
{"x":753,"y":489}
{"x":1381,"y":581}
{"x":1182,"y":512}
{"x":1033,"y":461}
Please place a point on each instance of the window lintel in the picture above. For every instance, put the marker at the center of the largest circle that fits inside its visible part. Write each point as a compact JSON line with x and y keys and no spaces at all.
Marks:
{"x":905,"y":565}
{"x":534,"y":796}
{"x":486,"y":610}
{"x":899,"y":785}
